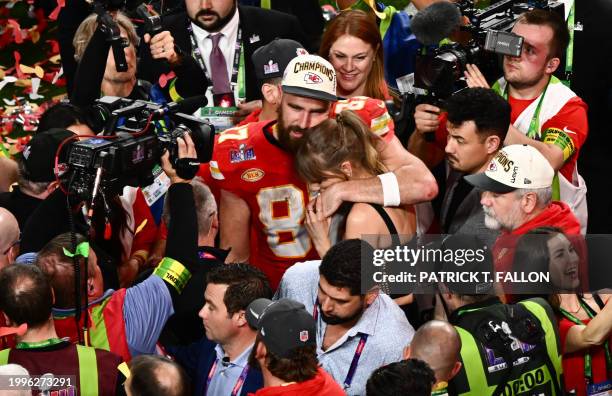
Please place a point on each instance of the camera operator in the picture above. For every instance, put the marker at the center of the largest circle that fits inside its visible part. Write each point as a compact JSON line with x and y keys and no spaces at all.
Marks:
{"x":489,"y":331}
{"x":97,"y":71}
{"x":545,"y":113}
{"x":128,"y":321}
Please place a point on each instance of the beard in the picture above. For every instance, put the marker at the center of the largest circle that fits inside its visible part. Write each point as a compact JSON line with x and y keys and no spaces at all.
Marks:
{"x":286,"y":141}
{"x":217,"y":24}
{"x":495,"y":222}
{"x":336,"y":320}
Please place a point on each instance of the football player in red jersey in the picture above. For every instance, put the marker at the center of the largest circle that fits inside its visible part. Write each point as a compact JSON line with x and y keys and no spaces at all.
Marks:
{"x":263,"y":202}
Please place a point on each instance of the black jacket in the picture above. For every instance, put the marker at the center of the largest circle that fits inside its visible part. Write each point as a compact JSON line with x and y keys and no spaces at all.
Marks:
{"x":255,"y":23}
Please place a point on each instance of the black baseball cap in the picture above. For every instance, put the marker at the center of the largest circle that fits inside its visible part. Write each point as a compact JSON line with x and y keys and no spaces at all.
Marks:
{"x":284,"y":325}
{"x":39,"y":154}
{"x":469,"y":255}
{"x":271,"y":60}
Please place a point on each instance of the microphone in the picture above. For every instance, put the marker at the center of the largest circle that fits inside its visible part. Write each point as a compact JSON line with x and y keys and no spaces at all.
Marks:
{"x":225,"y":361}
{"x":435,"y":22}
{"x":187,"y":105}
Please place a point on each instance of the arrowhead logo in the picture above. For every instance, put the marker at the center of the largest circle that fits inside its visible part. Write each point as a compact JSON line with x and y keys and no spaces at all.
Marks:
{"x":311,"y":78}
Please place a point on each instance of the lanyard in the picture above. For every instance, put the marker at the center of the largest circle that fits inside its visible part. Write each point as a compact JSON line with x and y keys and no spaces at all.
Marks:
{"x":362,"y":341}
{"x":534,"y":125}
{"x":237,"y":67}
{"x":588,"y":369}
{"x":351,"y":373}
{"x":40,"y":344}
{"x":569,"y":53}
{"x":238,"y":384}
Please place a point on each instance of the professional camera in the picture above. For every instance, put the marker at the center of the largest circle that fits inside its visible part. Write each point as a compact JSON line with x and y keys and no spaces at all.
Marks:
{"x":440,"y":71}
{"x":136,"y":134}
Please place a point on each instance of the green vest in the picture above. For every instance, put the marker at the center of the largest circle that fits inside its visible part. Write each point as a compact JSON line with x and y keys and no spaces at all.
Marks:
{"x":483,"y":369}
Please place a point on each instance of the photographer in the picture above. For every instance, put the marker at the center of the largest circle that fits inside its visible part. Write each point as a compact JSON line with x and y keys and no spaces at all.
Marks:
{"x":489,"y":332}
{"x":545,"y":113}
{"x":128,"y":321}
{"x":97,"y":71}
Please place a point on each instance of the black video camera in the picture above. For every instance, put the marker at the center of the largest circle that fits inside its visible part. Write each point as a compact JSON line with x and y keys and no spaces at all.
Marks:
{"x":440,"y":71}
{"x":136,"y":134}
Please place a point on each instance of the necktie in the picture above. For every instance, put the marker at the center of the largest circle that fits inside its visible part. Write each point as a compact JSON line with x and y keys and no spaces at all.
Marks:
{"x":218,"y":67}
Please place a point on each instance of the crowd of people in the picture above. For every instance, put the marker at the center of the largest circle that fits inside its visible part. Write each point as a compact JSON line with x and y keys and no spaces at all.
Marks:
{"x":245,"y":274}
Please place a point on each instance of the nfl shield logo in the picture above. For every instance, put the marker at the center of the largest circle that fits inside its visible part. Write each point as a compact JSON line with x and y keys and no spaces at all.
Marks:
{"x":304,"y":335}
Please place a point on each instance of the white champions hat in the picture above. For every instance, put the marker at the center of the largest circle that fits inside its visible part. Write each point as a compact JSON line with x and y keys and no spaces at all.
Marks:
{"x":513,"y":167}
{"x":310,"y":76}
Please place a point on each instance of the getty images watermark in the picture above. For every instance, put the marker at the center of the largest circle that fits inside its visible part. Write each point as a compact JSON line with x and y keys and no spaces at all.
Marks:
{"x":524,"y":264}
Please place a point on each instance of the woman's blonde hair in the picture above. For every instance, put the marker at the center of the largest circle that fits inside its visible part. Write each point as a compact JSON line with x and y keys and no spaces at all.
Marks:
{"x":333,"y":142}
{"x":90,"y":24}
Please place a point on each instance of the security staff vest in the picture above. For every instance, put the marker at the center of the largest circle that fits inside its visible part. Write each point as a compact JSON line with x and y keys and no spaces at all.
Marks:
{"x":107,"y":326}
{"x":536,"y":358}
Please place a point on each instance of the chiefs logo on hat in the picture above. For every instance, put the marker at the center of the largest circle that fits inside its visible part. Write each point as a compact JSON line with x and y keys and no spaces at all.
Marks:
{"x":304,"y":335}
{"x":312,"y":78}
{"x":492,"y":167}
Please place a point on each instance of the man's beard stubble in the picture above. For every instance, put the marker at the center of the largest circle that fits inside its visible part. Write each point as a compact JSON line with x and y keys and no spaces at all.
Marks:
{"x":284,"y":134}
{"x":336,"y":320}
{"x":218,"y":24}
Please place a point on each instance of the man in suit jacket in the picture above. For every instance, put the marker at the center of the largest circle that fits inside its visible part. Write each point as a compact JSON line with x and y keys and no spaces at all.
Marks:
{"x":218,"y":364}
{"x":470,"y":135}
{"x":255,"y":26}
{"x":308,"y":12}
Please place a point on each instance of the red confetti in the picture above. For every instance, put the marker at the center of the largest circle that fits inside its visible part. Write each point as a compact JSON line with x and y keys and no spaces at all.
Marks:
{"x":17,"y":33}
{"x":18,"y":71}
{"x":164,"y":78}
{"x":55,"y":13}
{"x":54,"y":46}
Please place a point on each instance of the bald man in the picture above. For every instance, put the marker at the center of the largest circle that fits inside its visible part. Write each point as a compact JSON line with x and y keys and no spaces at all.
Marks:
{"x":437,"y":343}
{"x":9,"y":238}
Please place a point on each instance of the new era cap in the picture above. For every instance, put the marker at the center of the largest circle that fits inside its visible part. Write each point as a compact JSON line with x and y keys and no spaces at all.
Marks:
{"x":271,"y":60}
{"x":39,"y":154}
{"x":515,"y":166}
{"x":284,"y":324}
{"x":310,"y":76}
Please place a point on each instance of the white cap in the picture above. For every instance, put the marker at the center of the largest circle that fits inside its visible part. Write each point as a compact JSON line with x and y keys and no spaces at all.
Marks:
{"x":310,"y":76}
{"x":515,"y":166}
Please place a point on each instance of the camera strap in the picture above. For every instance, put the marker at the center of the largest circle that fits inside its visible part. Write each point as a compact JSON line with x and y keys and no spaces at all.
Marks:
{"x":237,"y":79}
{"x":569,"y":53}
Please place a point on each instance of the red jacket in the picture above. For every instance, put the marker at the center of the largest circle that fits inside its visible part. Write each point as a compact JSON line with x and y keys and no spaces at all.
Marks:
{"x":321,"y":385}
{"x":557,"y":214}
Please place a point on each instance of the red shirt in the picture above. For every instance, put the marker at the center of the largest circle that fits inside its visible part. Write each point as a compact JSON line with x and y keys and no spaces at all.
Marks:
{"x":558,"y":214}
{"x":253,"y":116}
{"x":573,"y":363}
{"x":321,"y":385}
{"x":567,"y":129}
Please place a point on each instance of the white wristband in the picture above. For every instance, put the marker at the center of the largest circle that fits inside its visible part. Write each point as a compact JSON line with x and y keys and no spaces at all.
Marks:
{"x":391,"y":193}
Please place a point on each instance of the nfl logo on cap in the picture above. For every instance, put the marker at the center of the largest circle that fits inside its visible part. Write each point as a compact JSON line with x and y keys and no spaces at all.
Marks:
{"x":304,"y":335}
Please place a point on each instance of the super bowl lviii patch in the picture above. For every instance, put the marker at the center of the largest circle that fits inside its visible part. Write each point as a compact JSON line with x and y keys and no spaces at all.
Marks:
{"x":242,"y":153}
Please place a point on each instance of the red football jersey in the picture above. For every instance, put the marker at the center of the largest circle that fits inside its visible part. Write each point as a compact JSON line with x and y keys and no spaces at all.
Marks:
{"x":372,"y":111}
{"x":248,"y":162}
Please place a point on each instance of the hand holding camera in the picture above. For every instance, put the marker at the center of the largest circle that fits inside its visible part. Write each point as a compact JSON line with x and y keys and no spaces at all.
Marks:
{"x":186,"y":165}
{"x":162,"y":46}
